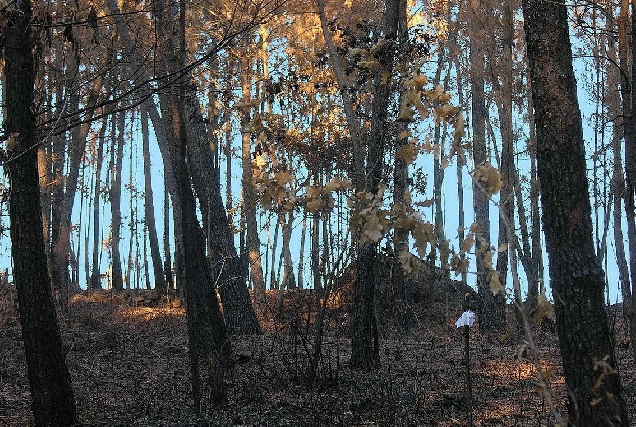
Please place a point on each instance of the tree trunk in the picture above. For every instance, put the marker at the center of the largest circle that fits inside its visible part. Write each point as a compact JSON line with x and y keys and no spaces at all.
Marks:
{"x":207,"y":335}
{"x":238,"y":310}
{"x":301,"y":253}
{"x":289,"y":279}
{"x":128,"y":279}
{"x":459,"y":165}
{"x":117,"y":157}
{"x":61,"y":241}
{"x":365,"y":351}
{"x":252,"y":241}
{"x":58,"y":200}
{"x":536,"y":248}
{"x":52,"y":398}
{"x":239,"y":313}
{"x":489,"y":309}
{"x":629,"y":125}
{"x":617,"y":183}
{"x":149,"y":209}
{"x":315,"y":254}
{"x":167,"y":266}
{"x":505,"y":110}
{"x":400,"y":188}
{"x":273,"y":279}
{"x":95,"y":282}
{"x":45,"y":183}
{"x":618,"y":189}
{"x":577,"y":279}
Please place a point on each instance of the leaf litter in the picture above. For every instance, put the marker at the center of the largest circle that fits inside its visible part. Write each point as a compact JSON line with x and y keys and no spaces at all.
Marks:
{"x":128,"y":360}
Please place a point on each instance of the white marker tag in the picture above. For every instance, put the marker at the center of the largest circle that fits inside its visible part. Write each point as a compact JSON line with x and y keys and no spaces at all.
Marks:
{"x":466,"y":319}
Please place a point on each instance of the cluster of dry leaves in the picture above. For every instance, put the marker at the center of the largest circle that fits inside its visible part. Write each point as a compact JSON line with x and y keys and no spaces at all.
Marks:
{"x":129,"y":366}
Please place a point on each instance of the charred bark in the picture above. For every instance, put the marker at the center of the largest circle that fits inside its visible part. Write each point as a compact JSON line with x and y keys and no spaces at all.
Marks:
{"x":50,"y":383}
{"x":576,"y":276}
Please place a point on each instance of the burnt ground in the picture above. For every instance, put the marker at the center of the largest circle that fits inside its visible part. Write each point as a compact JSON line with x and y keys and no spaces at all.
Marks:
{"x":127,"y":355}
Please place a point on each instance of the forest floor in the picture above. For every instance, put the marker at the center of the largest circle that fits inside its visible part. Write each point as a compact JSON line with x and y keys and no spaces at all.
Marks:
{"x":129,"y":366}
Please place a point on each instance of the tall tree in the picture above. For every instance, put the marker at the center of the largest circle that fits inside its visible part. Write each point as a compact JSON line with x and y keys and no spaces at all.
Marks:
{"x":367,"y":151}
{"x":400,"y":188}
{"x":95,"y":282}
{"x":117,"y":157}
{"x":504,"y":90}
{"x":490,"y":307}
{"x":52,"y":398}
{"x":248,"y":207}
{"x":207,"y":336}
{"x":61,"y":240}
{"x":628,"y":94}
{"x":364,"y":339}
{"x":576,"y":277}
{"x":205,"y":179}
{"x":149,"y":208}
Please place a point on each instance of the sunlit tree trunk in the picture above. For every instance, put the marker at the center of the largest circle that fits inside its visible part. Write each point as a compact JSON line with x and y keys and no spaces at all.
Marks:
{"x":52,"y":398}
{"x":45,"y":177}
{"x":576,"y":278}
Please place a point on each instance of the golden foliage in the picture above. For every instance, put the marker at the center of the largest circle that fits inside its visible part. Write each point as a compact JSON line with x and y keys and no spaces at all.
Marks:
{"x":489,"y":178}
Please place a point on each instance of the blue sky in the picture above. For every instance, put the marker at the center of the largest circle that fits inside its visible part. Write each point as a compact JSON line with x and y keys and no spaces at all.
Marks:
{"x":133,"y":174}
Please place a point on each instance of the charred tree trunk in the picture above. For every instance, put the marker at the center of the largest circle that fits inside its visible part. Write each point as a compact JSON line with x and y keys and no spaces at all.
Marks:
{"x":618,"y":178}
{"x":52,"y":398}
{"x":208,"y":344}
{"x":629,"y":126}
{"x":577,"y":279}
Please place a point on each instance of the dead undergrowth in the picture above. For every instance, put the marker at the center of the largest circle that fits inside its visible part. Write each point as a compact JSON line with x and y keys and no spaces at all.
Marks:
{"x":128,"y":361}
